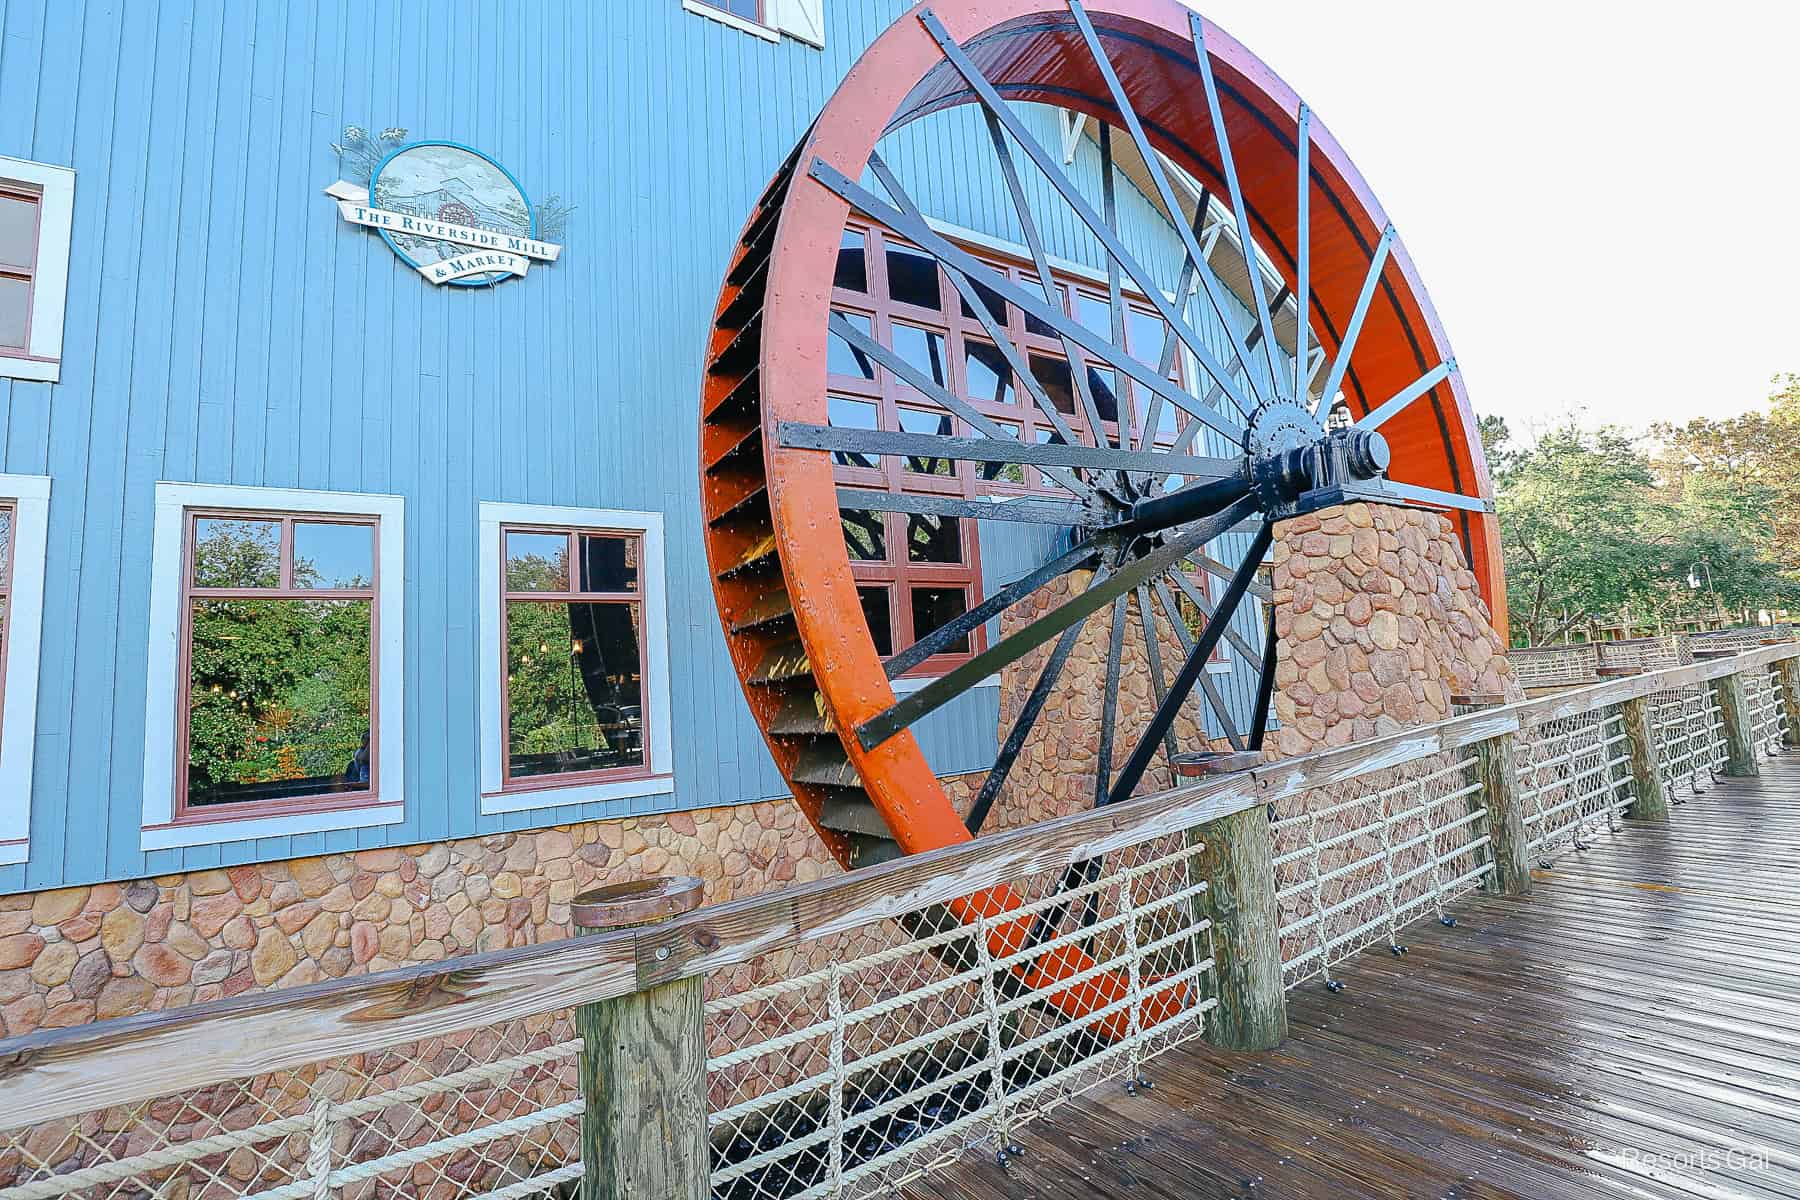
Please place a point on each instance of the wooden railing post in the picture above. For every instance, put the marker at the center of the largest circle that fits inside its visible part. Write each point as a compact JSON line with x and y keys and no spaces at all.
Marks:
{"x":1238,"y":866}
{"x":643,"y":1063}
{"x":1651,"y":792}
{"x":1506,"y":816}
{"x":1787,"y":674}
{"x":1734,"y":711}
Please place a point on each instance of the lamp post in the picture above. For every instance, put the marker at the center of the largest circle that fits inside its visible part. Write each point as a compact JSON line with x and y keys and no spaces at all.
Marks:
{"x":1694,"y":571}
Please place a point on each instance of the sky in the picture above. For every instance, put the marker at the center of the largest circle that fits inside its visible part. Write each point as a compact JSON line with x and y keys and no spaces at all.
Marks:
{"x":1601,"y":198}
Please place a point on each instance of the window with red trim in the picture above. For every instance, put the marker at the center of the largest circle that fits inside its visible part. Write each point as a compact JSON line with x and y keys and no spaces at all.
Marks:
{"x":278,"y":626}
{"x":21,"y":209}
{"x":573,"y":688}
{"x":915,"y":572}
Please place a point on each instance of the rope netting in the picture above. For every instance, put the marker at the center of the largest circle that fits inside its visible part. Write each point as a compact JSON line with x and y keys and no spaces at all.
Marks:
{"x":492,"y":1111}
{"x":1355,"y":862}
{"x":858,"y":1061}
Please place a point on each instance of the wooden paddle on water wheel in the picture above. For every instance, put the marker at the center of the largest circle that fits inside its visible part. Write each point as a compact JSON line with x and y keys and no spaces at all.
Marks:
{"x":1152,"y":464}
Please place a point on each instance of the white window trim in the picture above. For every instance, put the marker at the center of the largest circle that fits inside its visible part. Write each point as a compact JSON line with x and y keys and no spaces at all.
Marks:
{"x":160,"y":725}
{"x":743,"y":24}
{"x":50,"y":277}
{"x":30,"y":496}
{"x":660,"y":740}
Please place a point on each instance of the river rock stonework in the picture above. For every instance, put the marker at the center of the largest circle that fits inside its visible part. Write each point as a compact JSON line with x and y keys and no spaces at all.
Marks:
{"x":1380,"y":623}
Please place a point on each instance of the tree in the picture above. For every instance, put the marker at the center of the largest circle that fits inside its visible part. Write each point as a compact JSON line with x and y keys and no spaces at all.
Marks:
{"x":1574,"y":513}
{"x":1742,"y":473}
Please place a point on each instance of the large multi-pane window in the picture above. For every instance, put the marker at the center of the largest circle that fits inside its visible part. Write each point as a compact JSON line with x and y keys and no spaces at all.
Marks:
{"x":574,"y":651}
{"x":37,"y":207}
{"x":275,"y":699}
{"x":277,"y":669}
{"x":24,"y":512}
{"x":20,"y":212}
{"x":914,"y":572}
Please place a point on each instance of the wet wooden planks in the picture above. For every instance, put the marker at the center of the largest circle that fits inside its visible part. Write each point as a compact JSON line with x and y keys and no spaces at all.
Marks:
{"x":1643,"y":1002}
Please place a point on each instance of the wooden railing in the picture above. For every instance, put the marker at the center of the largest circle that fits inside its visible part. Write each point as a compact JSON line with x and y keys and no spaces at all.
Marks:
{"x":842,"y":1034}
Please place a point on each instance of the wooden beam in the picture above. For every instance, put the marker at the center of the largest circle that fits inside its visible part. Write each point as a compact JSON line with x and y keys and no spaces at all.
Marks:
{"x":1734,"y":711}
{"x":1506,"y":817}
{"x":1238,"y":866}
{"x":1651,"y":801}
{"x":1787,"y":675}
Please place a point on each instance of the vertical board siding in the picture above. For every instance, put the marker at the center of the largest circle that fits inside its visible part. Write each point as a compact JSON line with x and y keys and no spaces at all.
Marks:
{"x":225,"y":326}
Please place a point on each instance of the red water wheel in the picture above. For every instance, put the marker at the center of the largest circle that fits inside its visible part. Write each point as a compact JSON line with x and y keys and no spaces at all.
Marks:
{"x":1147,"y":462}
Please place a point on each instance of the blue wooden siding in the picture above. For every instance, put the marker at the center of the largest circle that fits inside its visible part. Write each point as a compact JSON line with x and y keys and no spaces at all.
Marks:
{"x":224,"y":325}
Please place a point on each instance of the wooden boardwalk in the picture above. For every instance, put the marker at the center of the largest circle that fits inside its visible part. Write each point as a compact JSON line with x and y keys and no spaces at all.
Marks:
{"x":1630,"y":1029}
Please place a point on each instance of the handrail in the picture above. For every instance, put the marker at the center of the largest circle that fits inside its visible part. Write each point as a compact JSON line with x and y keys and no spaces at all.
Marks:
{"x":58,"y":1073}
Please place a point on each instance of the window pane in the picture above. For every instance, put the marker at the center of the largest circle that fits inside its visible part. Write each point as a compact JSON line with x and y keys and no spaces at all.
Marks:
{"x":990,"y":300}
{"x":1003,"y":472}
{"x":574,"y":695}
{"x":845,"y":413}
{"x":936,"y":423}
{"x":278,"y":701}
{"x":1095,"y":313}
{"x":989,"y":376}
{"x":1102,"y":385}
{"x":1053,"y":375}
{"x":18,"y":231}
{"x":1056,"y":302}
{"x":1145,"y":332}
{"x":864,"y":535}
{"x":333,"y":556}
{"x":912,"y":278}
{"x":750,"y":10}
{"x":15,"y":307}
{"x":875,"y":612}
{"x":852,"y":264}
{"x":537,"y":562}
{"x":1047,"y":437}
{"x":237,"y":552}
{"x":932,"y":607}
{"x":923,"y":348}
{"x":931,"y":538}
{"x":842,"y":359}
{"x":609,"y":563}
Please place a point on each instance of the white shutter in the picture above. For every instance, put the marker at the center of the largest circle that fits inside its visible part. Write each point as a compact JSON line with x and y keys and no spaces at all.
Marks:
{"x":803,"y":19}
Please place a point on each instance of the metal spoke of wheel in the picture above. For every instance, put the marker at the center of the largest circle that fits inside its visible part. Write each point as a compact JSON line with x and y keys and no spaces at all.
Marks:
{"x":1153,"y":165}
{"x":1046,"y":280}
{"x":1115,"y":299}
{"x":1030,"y":510}
{"x":1198,"y":599}
{"x":1376,"y":417}
{"x":1187,"y":435}
{"x":1002,"y":341}
{"x":1228,"y":167}
{"x":1021,"y":727}
{"x":1303,"y":272}
{"x":922,"y":235}
{"x":946,"y":687}
{"x":1191,"y":670}
{"x":842,"y":439}
{"x":1414,"y":494}
{"x":1046,"y":163}
{"x":1153,"y":652}
{"x":1265,"y":683}
{"x":944,"y":635}
{"x":944,"y":397}
{"x":1109,"y":711}
{"x":1165,"y":361}
{"x":1341,"y":362}
{"x":1210,"y":690}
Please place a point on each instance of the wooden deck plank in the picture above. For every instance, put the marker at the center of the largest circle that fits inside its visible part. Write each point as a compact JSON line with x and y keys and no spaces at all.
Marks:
{"x":1644,"y":1000}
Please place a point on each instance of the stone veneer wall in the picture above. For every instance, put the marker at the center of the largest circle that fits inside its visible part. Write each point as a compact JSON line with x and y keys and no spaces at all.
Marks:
{"x":113,"y":949}
{"x":1380,"y":622}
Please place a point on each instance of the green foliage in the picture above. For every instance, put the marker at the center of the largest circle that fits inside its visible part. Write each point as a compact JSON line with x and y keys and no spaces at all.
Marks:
{"x":1592,"y":526}
{"x":280,"y":690}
